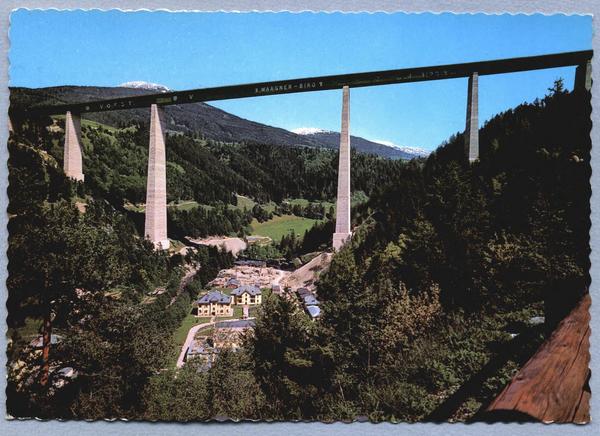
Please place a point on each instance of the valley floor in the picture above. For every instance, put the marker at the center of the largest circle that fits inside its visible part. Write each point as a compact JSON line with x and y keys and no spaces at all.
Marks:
{"x":279,"y":226}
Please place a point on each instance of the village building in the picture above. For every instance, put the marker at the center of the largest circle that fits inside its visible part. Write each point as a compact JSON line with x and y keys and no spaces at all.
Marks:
{"x":310,"y":300}
{"x":251,"y":263}
{"x":229,"y":334}
{"x":302,"y":292}
{"x":313,"y":311}
{"x":232,"y":278}
{"x":202,"y":351}
{"x":214,"y":303}
{"x":232,"y":283}
{"x":247,"y":294}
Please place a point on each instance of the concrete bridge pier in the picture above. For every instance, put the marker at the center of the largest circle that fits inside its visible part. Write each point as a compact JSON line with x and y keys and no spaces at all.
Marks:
{"x":73,"y":160}
{"x":472,"y":126}
{"x":342,"y":216}
{"x":583,"y":76}
{"x":156,"y":189}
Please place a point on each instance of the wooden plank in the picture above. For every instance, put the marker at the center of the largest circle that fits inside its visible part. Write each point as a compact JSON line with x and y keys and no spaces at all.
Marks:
{"x":582,"y":414}
{"x":552,"y":394}
{"x":551,"y":386}
{"x":573,"y":384}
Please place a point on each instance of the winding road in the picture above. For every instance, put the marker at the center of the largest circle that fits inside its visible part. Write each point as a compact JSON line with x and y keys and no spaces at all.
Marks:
{"x":189,"y":339}
{"x":192,"y":332}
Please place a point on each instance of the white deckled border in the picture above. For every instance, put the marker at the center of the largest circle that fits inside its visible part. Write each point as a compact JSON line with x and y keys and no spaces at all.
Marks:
{"x":546,"y":7}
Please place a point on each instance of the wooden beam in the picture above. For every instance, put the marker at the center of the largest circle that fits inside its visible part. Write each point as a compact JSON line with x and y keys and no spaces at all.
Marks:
{"x":553,"y":385}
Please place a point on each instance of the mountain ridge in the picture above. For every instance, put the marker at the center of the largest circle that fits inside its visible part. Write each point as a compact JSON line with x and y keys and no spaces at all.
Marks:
{"x":391,"y":151}
{"x":207,"y":120}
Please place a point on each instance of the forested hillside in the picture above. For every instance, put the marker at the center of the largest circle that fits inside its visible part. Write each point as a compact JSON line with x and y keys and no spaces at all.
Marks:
{"x":450,"y":259}
{"x":426,"y":314}
{"x":206,"y":172}
{"x":98,"y":299}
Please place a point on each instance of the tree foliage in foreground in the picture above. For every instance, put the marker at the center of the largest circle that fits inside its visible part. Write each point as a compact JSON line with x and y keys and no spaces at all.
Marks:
{"x":446,"y":260}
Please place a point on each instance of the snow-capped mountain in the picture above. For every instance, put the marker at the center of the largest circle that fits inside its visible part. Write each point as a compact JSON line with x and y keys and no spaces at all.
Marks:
{"x":387,"y":149}
{"x":417,"y":151}
{"x":139,"y":84}
{"x":309,"y":131}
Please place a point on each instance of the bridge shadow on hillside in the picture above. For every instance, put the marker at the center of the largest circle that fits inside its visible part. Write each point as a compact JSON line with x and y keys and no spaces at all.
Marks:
{"x":520,"y":349}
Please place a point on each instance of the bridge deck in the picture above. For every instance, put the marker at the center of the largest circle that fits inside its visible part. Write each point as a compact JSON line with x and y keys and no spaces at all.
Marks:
{"x":322,"y":83}
{"x":553,"y":384}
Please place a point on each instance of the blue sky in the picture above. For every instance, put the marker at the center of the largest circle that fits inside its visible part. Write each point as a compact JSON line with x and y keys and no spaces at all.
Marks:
{"x":192,"y":50}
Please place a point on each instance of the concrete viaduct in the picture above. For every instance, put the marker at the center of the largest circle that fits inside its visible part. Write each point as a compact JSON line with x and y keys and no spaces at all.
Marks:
{"x":156,"y":195}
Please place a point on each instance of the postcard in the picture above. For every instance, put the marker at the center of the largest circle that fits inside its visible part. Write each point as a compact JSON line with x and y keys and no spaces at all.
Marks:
{"x":307,"y":216}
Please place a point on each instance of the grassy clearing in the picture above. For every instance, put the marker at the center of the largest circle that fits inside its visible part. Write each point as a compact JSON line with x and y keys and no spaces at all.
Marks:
{"x":282,"y":225}
{"x":248,"y":203}
{"x":294,"y":201}
{"x":244,"y":202}
{"x":181,"y":205}
{"x":140,"y":208}
{"x":304,"y":202}
{"x":188,"y":322}
{"x":185,"y":205}
{"x":206,"y":331}
{"x":270,"y":206}
{"x":90,"y":123}
{"x":238,"y":311}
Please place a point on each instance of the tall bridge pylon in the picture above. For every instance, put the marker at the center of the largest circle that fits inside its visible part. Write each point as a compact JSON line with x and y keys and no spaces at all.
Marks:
{"x":155,"y":228}
{"x":342,"y":214}
{"x":156,"y":193}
